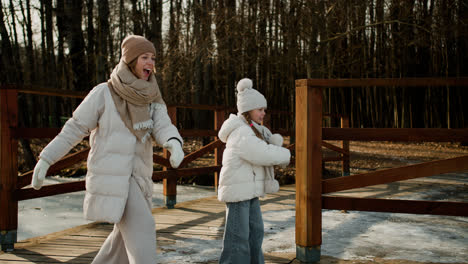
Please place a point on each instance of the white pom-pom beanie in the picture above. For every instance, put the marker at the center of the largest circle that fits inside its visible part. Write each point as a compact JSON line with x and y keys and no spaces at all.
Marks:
{"x":248,"y":98}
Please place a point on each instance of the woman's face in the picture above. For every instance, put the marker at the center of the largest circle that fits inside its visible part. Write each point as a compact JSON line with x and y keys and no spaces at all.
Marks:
{"x":257,"y":115}
{"x":144,"y":65}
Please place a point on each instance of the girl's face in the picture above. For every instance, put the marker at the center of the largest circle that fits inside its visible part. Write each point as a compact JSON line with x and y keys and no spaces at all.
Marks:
{"x":257,"y":115}
{"x":144,"y":65}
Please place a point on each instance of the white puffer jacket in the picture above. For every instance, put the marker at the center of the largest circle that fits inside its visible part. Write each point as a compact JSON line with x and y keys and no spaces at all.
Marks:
{"x":246,"y":161}
{"x":113,"y":157}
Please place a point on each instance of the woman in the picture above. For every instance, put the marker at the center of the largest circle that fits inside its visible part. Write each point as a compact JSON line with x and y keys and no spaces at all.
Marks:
{"x":121,"y":116}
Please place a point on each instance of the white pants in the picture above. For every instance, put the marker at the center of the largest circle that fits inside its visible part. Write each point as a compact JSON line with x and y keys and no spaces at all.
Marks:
{"x":133,"y":240}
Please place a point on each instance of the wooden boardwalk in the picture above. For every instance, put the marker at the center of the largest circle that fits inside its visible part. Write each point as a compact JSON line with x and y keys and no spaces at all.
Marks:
{"x":199,"y":220}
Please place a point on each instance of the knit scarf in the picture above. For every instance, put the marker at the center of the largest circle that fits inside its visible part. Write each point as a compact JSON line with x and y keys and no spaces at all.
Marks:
{"x":270,"y":184}
{"x":132,"y":98}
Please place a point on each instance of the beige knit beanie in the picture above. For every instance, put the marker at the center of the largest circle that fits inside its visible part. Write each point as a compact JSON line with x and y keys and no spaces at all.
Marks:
{"x":133,"y":46}
{"x":248,"y":98}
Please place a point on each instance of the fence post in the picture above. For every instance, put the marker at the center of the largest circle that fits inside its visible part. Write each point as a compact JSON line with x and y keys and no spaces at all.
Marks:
{"x":345,"y":146}
{"x":8,"y":168}
{"x":170,"y":184}
{"x":218,"y":155}
{"x":308,"y":172}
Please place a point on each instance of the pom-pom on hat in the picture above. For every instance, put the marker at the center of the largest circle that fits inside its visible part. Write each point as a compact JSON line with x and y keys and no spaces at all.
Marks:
{"x":133,"y":46}
{"x":248,"y":98}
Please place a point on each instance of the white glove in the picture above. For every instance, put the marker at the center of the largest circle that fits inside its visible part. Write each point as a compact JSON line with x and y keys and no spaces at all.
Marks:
{"x":276,"y":139}
{"x":177,"y":154}
{"x":39,"y":174}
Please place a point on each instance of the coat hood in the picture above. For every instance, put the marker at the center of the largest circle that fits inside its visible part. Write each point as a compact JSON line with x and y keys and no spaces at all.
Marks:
{"x":231,"y":124}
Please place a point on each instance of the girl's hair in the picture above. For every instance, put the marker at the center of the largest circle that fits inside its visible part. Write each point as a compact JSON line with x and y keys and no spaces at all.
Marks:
{"x":249,"y":121}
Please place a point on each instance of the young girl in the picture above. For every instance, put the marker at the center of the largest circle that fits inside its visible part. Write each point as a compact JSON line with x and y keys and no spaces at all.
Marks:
{"x":121,"y":116}
{"x":247,"y":173}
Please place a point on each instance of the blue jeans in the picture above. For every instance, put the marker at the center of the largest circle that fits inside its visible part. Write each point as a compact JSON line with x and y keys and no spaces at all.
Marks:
{"x":243,"y":233}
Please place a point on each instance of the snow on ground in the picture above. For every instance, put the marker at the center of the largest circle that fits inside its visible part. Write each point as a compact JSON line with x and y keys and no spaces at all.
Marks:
{"x":346,"y":235}
{"x":352,"y":235}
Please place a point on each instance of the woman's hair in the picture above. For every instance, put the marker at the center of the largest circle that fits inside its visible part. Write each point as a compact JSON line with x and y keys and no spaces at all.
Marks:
{"x":249,"y":121}
{"x":131,"y":65}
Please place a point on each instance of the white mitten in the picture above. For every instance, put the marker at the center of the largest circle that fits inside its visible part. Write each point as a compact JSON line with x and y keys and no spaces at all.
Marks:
{"x":177,"y":154}
{"x":284,"y":166}
{"x":39,"y":174}
{"x":276,"y":139}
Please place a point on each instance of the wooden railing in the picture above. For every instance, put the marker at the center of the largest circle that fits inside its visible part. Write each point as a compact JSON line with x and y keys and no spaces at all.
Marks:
{"x":13,"y":185}
{"x":311,"y":189}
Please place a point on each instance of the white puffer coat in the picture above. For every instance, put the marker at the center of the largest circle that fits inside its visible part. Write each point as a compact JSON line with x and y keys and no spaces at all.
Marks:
{"x":115,"y":153}
{"x":246,"y":161}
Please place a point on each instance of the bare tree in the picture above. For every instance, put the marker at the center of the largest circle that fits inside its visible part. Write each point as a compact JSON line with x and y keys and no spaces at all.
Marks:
{"x":91,"y":39}
{"x":102,"y":45}
{"x":76,"y":45}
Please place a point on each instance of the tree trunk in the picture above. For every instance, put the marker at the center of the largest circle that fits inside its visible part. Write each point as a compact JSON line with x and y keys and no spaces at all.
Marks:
{"x":137,"y":19}
{"x":155,"y":34}
{"x":102,"y":36}
{"x":29,"y":47}
{"x":122,"y":22}
{"x":7,"y":59}
{"x":91,"y":53}
{"x":76,"y":44}
{"x":51,"y":64}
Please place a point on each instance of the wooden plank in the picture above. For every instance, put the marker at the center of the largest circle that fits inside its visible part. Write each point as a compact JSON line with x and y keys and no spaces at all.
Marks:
{"x":345,"y":170}
{"x":186,"y":172}
{"x":161,"y":160}
{"x":382,"y":82}
{"x":65,"y":162}
{"x":30,"y":89}
{"x":333,"y":147}
{"x":48,"y":190}
{"x":395,"y":206}
{"x":308,"y":166}
{"x":8,"y":167}
{"x":199,"y":153}
{"x":42,"y":259}
{"x":198,"y":132}
{"x":395,"y":174}
{"x":396,"y":134}
{"x":36,"y":132}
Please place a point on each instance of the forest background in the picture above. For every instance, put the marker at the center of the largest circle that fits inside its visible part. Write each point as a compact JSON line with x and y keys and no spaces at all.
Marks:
{"x":204,"y":47}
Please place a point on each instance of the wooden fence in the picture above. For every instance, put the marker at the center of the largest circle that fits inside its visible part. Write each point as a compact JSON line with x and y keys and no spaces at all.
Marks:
{"x":311,"y":189}
{"x":13,"y":185}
